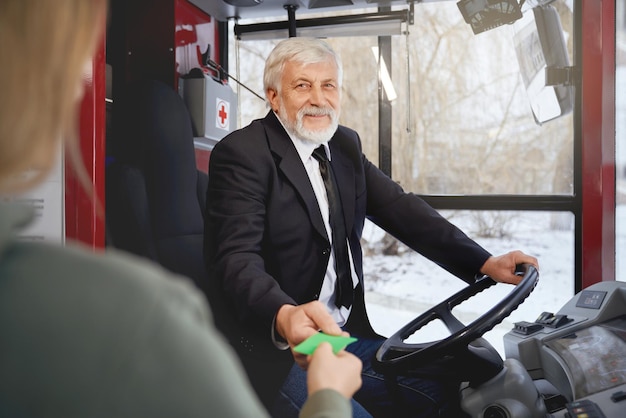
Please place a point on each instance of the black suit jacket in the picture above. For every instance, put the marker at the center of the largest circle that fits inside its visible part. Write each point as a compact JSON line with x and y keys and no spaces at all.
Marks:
{"x":266,"y":245}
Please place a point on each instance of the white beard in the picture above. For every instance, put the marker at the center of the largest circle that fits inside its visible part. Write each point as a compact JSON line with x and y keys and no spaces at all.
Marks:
{"x":314,"y":136}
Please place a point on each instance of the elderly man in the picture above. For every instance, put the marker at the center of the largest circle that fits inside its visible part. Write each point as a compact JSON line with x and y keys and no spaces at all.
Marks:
{"x":286,"y":203}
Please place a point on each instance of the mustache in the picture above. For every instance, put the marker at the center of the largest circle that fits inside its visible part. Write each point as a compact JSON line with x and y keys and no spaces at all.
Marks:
{"x":316,"y":111}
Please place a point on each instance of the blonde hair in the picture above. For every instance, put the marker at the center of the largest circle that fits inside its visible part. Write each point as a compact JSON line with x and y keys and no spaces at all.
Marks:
{"x":44,"y":46}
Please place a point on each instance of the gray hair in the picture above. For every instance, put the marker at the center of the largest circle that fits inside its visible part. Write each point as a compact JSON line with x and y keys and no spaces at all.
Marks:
{"x":301,"y":50}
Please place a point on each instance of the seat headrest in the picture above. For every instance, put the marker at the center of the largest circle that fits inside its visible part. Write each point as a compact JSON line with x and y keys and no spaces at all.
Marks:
{"x":155,"y":134}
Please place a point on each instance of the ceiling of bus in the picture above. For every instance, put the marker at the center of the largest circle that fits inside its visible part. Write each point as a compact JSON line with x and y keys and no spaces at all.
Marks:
{"x":250,"y":9}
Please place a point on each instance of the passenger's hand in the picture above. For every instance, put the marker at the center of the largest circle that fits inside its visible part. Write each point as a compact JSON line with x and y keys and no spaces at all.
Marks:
{"x":297,"y":323}
{"x":502,"y":268}
{"x":341,"y":372}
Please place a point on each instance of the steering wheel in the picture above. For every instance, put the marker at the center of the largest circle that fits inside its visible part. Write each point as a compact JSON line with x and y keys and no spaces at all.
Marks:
{"x":396,"y":357}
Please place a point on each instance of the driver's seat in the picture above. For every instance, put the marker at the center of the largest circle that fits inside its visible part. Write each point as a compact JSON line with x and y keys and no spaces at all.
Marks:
{"x":155,"y":195}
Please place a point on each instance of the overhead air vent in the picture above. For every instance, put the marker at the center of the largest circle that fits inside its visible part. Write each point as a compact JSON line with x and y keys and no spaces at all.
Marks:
{"x":243,"y":3}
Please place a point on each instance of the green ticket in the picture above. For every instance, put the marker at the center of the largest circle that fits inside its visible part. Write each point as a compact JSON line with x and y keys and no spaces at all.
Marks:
{"x":309,"y":345}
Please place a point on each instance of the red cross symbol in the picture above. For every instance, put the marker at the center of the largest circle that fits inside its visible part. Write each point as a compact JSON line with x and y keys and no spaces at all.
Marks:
{"x":222,"y":114}
{"x":222,"y":108}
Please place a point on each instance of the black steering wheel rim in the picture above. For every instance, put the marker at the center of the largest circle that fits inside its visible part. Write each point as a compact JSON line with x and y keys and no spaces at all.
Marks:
{"x":397,"y":357}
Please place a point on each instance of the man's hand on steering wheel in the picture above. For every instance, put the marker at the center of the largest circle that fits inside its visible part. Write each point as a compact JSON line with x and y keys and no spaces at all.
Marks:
{"x":502,"y":268}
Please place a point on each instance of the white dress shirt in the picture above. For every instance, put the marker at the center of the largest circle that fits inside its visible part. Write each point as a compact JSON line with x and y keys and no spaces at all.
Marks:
{"x":327,"y":293}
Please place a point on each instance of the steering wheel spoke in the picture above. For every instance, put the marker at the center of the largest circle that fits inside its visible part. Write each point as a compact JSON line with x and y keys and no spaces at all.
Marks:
{"x":447,"y":317}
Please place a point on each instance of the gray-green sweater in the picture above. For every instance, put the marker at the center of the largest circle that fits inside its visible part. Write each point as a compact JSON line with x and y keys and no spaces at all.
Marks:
{"x":111,"y":335}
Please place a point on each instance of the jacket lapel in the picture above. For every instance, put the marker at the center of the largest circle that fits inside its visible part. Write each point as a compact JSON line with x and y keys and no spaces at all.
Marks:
{"x":288,"y":161}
